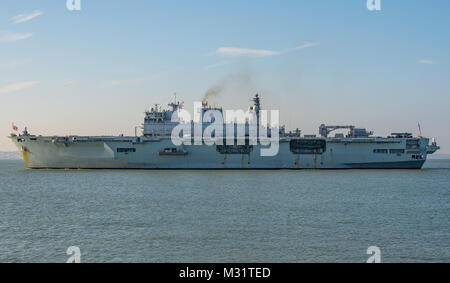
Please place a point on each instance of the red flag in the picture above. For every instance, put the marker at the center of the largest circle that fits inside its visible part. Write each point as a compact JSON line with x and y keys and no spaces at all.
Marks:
{"x":15,"y":128}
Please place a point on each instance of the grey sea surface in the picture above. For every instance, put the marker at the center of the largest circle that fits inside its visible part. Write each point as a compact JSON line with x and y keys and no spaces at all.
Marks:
{"x":225,"y":216}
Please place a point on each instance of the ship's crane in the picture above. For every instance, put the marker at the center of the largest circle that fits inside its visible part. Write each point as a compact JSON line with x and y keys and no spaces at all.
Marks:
{"x":325,"y":130}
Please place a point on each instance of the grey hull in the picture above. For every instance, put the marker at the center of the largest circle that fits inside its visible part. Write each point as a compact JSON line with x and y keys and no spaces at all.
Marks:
{"x":139,"y":153}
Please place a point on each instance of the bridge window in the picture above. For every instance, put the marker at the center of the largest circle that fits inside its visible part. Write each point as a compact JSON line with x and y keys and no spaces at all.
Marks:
{"x":385,"y":151}
{"x":126,"y":150}
{"x":412,"y":144}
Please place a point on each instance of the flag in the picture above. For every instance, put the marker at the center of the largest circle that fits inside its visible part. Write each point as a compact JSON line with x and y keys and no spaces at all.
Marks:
{"x":14,"y":127}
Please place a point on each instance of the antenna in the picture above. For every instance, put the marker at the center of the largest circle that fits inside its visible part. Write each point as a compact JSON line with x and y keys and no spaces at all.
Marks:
{"x":420,"y":130}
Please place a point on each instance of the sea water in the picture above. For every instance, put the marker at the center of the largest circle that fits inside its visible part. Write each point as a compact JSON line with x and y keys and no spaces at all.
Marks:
{"x":225,"y":216}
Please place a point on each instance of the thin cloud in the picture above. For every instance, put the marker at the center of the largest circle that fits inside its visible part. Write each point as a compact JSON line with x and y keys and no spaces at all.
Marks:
{"x":68,"y":82}
{"x":17,"y":87}
{"x":235,"y":51}
{"x":11,"y":37}
{"x":426,"y":61}
{"x":14,"y":64}
{"x":216,"y":65}
{"x":307,"y":45}
{"x":26,"y":17}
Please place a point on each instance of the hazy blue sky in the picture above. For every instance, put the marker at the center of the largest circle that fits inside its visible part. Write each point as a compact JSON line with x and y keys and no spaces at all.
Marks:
{"x":95,"y":71}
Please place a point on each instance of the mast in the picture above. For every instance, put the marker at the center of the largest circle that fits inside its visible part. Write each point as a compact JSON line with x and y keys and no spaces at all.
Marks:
{"x":257,"y":108}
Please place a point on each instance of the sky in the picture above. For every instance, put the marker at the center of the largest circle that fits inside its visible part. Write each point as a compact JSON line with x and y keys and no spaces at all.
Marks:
{"x":96,"y":70}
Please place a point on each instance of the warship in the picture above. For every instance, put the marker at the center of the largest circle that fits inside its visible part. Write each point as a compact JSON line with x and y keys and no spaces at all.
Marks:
{"x":154,"y":148}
